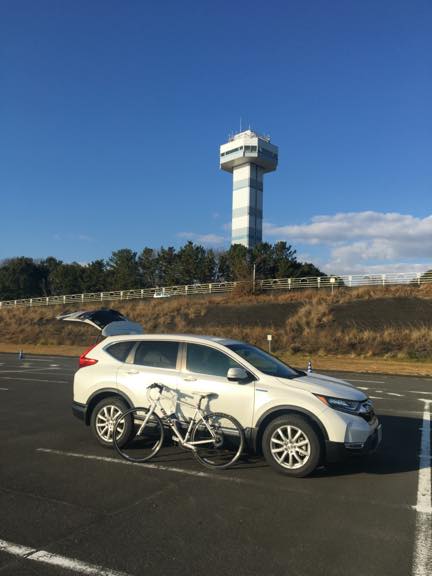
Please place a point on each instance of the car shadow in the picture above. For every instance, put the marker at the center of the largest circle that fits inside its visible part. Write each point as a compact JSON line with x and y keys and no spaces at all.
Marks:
{"x":398,"y":452}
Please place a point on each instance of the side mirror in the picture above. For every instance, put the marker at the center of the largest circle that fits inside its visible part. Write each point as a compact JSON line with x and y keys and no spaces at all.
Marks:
{"x":237,"y":374}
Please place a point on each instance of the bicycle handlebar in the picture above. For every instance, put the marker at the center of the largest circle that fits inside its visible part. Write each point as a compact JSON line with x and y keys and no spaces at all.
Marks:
{"x":155,"y":385}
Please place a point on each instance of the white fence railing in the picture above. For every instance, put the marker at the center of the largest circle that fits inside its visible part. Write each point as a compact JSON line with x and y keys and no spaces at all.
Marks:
{"x":326,"y":282}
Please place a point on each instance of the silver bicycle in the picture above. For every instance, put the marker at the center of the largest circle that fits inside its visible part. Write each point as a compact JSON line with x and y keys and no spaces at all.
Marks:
{"x":215,"y":439}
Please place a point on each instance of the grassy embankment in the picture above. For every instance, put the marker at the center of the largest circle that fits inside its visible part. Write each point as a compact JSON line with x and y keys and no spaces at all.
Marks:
{"x":376,"y":330}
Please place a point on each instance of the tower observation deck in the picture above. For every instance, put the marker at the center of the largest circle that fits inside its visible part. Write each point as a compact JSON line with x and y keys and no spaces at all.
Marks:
{"x":248,"y":156}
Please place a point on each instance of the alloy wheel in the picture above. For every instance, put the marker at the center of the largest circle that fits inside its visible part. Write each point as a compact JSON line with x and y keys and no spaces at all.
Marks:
{"x":290,"y":447}
{"x":105,"y":421}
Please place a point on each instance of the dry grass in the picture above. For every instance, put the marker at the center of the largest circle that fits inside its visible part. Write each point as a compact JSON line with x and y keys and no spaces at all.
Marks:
{"x":308,"y":328}
{"x":355,"y":364}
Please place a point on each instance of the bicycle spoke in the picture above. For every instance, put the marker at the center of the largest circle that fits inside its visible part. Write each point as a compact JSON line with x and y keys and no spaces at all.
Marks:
{"x":147,"y":437}
{"x":218,"y":441}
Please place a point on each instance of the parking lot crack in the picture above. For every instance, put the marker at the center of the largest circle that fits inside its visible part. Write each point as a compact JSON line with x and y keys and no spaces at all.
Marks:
{"x":97,"y":519}
{"x":46,"y":499}
{"x":147,"y":498}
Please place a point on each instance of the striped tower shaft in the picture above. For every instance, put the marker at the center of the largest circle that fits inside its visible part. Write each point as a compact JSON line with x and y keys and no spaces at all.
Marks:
{"x":247,"y":209}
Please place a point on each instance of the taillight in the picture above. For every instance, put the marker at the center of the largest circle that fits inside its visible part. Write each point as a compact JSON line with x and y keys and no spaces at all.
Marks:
{"x":84,"y":360}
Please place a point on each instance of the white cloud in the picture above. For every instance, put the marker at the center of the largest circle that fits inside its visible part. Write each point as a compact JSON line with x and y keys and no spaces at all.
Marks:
{"x":74,"y":237}
{"x":204,"y":239}
{"x":334,"y":267}
{"x":359,"y":241}
{"x":342,"y":227}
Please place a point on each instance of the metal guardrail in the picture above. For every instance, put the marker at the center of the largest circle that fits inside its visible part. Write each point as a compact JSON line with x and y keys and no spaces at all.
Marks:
{"x":326,"y":282}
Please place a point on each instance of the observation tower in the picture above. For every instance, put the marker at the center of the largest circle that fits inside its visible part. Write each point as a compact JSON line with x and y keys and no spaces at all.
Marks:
{"x":248,"y":156}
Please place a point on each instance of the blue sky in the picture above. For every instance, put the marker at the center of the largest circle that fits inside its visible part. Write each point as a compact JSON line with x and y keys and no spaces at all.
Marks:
{"x":112,"y":113}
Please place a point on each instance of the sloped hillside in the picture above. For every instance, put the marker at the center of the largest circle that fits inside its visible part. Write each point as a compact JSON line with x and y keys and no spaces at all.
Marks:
{"x":390,"y":322}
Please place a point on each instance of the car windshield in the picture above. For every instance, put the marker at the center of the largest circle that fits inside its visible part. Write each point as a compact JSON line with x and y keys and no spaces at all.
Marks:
{"x":264,"y":362}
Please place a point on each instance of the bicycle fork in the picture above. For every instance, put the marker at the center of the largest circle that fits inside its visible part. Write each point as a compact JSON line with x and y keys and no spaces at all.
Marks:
{"x":146,"y":419}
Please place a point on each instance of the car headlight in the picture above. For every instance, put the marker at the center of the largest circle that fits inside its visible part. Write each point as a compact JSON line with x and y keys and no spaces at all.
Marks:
{"x":349,"y":406}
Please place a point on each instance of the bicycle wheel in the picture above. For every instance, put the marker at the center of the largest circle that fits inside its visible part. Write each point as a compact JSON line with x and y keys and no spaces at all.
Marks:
{"x":147,"y":436}
{"x":221,"y":440}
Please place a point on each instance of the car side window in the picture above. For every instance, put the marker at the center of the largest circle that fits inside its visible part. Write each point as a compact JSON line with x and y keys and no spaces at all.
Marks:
{"x":206,"y":360}
{"x":120,"y":350}
{"x":155,"y":354}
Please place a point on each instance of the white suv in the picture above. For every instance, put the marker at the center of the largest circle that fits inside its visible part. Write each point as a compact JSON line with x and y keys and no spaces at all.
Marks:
{"x":298,"y":420}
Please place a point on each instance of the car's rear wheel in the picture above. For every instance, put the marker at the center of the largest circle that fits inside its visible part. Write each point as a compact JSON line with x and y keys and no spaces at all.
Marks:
{"x":103,"y":419}
{"x":292,"y":446}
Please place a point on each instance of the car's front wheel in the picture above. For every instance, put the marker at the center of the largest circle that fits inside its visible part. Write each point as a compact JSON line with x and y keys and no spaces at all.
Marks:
{"x":291,"y":445}
{"x":103,"y":419}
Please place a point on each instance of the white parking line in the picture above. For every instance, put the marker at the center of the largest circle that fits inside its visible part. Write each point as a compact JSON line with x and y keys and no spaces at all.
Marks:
{"x":57,"y":560}
{"x":295,"y":489}
{"x":4,"y":388}
{"x":54,"y":381}
{"x":394,"y":394}
{"x":420,"y":392}
{"x":27,"y":370}
{"x":376,"y":398}
{"x":48,"y":359}
{"x":146,"y":465}
{"x":423,"y":541}
{"x":366,"y":381}
{"x":362,"y":387}
{"x":399,"y":412}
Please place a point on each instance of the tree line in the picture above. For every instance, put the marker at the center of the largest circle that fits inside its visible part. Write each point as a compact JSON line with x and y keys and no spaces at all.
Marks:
{"x":24,"y":277}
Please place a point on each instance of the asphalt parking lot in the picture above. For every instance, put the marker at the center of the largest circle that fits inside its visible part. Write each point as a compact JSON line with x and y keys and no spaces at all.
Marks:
{"x":68,"y":506}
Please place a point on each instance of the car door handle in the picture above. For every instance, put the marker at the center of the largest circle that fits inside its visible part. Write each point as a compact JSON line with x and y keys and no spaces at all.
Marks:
{"x":190,"y":379}
{"x":132,"y":372}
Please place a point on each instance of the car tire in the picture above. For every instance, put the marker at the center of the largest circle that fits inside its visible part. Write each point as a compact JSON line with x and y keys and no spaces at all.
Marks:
{"x":292,"y":446}
{"x":102,"y":421}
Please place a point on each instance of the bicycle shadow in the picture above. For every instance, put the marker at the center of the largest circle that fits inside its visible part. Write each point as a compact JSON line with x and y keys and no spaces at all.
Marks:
{"x":398,"y":453}
{"x":186,"y":404}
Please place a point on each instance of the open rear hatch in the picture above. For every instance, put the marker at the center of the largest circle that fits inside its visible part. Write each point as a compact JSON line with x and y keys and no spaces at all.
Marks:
{"x":109,"y":322}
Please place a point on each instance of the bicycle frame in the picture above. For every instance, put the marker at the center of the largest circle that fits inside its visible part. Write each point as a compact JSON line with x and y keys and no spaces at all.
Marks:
{"x":182,"y":440}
